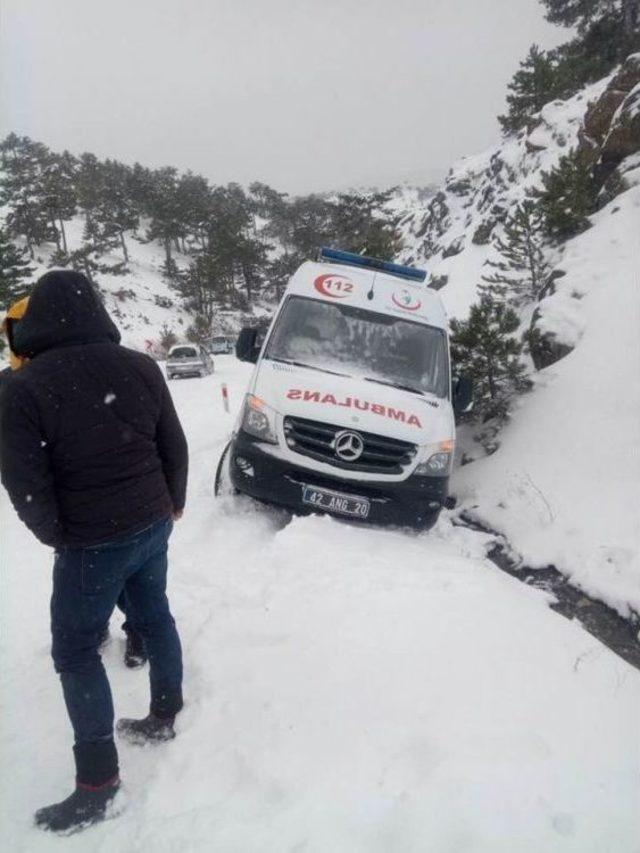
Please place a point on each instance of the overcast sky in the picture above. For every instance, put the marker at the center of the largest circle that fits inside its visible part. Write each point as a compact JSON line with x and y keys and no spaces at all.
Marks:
{"x":305,"y":95}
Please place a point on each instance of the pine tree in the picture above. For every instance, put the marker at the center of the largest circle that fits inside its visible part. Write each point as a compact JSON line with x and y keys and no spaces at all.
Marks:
{"x":194,"y":206}
{"x":484,"y":348}
{"x":89,"y":184}
{"x":584,"y":13}
{"x":89,"y":257}
{"x":204,"y":284}
{"x":607,"y":31}
{"x":312,"y":225}
{"x":163,"y":210}
{"x":522,"y":267}
{"x":200,"y":330}
{"x":15,"y":271}
{"x":167,"y":338}
{"x":568,"y":197}
{"x":21,"y":190}
{"x":534,"y":85}
{"x":278,"y":273}
{"x":58,"y":193}
{"x":116,"y":211}
{"x":363,"y":224}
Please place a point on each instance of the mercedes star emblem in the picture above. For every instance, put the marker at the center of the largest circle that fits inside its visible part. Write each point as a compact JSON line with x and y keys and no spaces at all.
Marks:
{"x":348,"y":445}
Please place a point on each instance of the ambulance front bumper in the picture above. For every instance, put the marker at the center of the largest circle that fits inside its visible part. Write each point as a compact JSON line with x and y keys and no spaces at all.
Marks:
{"x":415,"y":501}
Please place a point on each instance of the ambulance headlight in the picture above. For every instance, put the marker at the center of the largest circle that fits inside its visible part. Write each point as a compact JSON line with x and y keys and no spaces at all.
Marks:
{"x":437,"y":464}
{"x":259,"y":420}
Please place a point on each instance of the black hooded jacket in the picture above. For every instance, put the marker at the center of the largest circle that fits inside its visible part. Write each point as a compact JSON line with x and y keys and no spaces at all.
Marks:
{"x":91,"y":448}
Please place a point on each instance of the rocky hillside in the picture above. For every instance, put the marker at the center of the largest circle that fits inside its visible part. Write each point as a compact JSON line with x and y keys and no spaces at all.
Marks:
{"x":455,"y":237}
{"x":564,"y":483}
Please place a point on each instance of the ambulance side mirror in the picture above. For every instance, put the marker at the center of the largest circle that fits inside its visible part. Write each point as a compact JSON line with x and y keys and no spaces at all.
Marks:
{"x":462,"y":394}
{"x":246,"y":347}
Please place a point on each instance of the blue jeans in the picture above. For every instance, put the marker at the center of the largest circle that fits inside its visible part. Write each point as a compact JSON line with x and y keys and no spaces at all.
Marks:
{"x":87,"y":583}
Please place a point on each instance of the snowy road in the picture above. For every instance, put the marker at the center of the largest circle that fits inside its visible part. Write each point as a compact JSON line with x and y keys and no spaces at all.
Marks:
{"x":347,"y":690}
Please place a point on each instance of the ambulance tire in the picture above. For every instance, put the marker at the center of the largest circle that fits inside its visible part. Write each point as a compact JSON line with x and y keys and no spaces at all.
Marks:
{"x":223,"y":486}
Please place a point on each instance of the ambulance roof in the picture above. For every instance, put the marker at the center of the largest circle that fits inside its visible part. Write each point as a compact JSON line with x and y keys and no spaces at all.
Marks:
{"x":373,"y":290}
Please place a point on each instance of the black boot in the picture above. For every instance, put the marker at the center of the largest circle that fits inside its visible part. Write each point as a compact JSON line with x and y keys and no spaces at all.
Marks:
{"x":151,"y":729}
{"x":135,"y":653}
{"x":97,"y":783}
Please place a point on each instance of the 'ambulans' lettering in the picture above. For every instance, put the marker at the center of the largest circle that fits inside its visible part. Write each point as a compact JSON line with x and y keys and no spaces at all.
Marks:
{"x":396,"y":414}
{"x":354,"y":403}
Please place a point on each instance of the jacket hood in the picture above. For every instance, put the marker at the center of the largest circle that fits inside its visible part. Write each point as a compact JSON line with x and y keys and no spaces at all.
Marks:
{"x":15,"y":313}
{"x":64,"y":308}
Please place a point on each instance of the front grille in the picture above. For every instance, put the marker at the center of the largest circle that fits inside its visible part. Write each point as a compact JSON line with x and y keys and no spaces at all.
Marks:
{"x":380,"y":455}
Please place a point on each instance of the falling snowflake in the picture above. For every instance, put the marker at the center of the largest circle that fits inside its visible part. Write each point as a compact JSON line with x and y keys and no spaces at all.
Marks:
{"x":109,"y":398}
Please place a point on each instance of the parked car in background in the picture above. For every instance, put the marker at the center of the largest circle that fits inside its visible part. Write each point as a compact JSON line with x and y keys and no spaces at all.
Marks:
{"x":221,"y":345}
{"x":188,"y":360}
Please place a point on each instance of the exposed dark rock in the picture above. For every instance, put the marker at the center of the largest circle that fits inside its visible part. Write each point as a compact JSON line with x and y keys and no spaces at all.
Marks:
{"x":611,"y":127}
{"x":498,"y":212}
{"x":597,"y":119}
{"x":459,"y":187}
{"x":422,"y":230}
{"x":454,"y":248}
{"x":497,"y":164}
{"x":486,"y":197}
{"x":532,"y":148}
{"x":439,"y":211}
{"x":544,"y":347}
{"x":629,"y":74}
{"x":613,"y":185}
{"x":623,"y":138}
{"x":550,"y":285}
{"x":482,"y":233}
{"x":437,"y":282}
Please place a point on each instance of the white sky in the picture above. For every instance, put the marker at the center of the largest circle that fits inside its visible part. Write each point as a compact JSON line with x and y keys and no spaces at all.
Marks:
{"x":302,"y":94}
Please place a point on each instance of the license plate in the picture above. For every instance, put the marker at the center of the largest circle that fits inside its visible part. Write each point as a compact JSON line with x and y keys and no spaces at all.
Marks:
{"x":336,"y":502}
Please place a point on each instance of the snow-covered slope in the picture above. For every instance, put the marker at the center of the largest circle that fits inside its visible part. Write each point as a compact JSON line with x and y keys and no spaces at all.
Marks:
{"x":454,"y":237}
{"x":140,"y":301}
{"x":347,"y":690}
{"x":564,"y":485}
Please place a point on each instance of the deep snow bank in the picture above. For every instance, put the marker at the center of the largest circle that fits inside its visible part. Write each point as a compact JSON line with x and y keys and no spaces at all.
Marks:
{"x":564,"y":485}
{"x":348,"y":691}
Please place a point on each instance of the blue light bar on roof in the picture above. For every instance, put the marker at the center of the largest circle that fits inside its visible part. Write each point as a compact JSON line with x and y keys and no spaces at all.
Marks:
{"x":336,"y":256}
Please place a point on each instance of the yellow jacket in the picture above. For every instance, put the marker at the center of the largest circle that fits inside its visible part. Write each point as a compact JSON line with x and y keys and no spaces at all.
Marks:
{"x":15,"y":312}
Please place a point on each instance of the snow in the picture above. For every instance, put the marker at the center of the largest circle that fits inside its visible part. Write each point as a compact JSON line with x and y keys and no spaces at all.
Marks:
{"x":348,"y":689}
{"x":141,"y":301}
{"x":479,"y":185}
{"x":564,"y":487}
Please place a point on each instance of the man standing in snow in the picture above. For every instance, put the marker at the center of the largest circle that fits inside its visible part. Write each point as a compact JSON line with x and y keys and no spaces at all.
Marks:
{"x":94,"y":459}
{"x":135,"y":653}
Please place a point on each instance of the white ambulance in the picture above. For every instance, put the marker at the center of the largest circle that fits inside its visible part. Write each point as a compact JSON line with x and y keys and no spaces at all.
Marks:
{"x":350,"y":410}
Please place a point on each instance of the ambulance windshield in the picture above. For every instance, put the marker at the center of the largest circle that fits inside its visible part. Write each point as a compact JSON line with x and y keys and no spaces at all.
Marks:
{"x":356,"y":342}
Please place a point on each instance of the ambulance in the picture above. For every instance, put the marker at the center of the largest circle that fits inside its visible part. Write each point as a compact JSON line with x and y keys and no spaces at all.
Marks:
{"x":350,"y":409}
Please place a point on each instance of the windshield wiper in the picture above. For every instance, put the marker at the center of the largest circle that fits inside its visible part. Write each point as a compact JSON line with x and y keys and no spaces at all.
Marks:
{"x":308,"y":366}
{"x":396,"y":385}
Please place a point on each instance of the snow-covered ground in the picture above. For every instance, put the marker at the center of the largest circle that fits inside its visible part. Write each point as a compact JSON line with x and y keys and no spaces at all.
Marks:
{"x":564,"y":487}
{"x":347,"y":689}
{"x":142,"y":301}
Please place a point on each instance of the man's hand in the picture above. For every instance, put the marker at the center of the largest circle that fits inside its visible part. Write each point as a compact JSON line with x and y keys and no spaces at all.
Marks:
{"x":177,"y":514}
